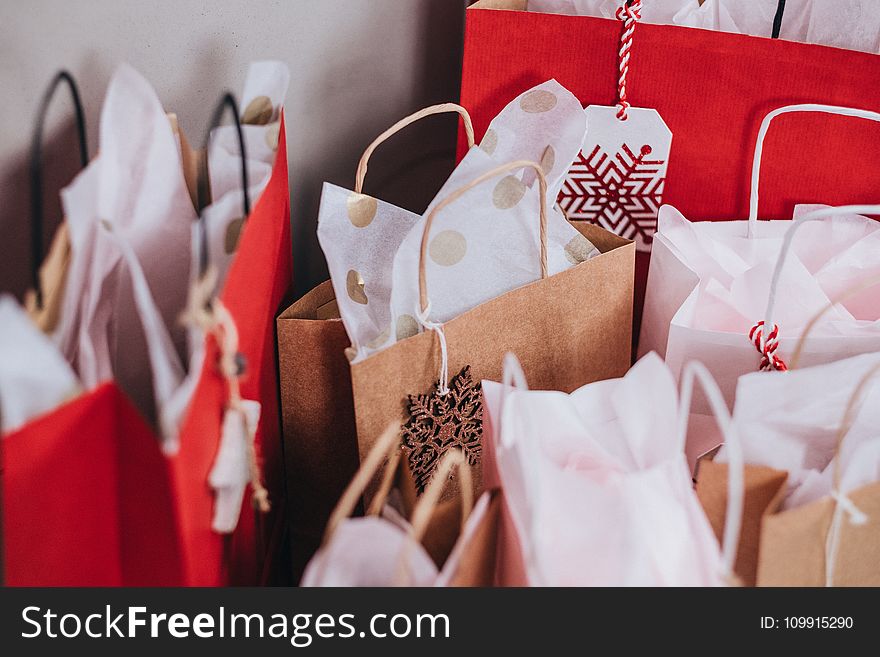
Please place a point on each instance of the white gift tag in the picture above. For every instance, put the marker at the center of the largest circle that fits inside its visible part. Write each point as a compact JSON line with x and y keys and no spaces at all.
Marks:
{"x":230,"y":474}
{"x":617,"y":179}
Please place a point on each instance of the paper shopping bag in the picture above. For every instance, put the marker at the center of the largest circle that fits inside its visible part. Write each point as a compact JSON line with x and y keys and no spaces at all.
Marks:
{"x":80,"y":506}
{"x":372,"y":248}
{"x":391,"y":545}
{"x":738,"y":295}
{"x":429,"y":382}
{"x":178,"y":543}
{"x":597,"y":496}
{"x":710,"y":87}
{"x":258,"y":281}
{"x":813,"y":463}
{"x":316,"y":402}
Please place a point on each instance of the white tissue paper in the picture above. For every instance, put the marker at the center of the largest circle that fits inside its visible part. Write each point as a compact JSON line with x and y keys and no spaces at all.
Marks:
{"x":660,"y":12}
{"x":486,"y":243}
{"x":130,"y":217}
{"x":849,"y":24}
{"x":34,"y":376}
{"x":600,"y":495}
{"x":378,"y":551}
{"x":262,"y":103}
{"x":791,"y":421}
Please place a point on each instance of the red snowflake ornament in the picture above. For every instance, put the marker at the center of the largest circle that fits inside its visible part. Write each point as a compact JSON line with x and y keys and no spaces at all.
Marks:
{"x":622,"y":193}
{"x":617,"y":179}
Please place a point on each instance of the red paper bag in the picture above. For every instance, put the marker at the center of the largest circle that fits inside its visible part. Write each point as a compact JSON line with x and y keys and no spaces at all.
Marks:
{"x":88,"y":499}
{"x":710,"y":88}
{"x":257,"y":283}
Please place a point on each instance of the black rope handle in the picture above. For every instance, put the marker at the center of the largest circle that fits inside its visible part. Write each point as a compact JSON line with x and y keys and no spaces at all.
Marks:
{"x":228,"y":102}
{"x":777,"y":19}
{"x":36,"y":169}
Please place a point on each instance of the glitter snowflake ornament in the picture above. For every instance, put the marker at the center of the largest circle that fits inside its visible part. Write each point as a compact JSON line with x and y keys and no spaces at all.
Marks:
{"x":438,"y":423}
{"x":617,"y":179}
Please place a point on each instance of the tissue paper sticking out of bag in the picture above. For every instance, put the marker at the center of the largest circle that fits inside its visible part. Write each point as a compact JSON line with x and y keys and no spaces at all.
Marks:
{"x":791,"y":421}
{"x":133,"y":193}
{"x":851,"y":24}
{"x":260,"y":110}
{"x":482,"y":246}
{"x":34,"y":376}
{"x":133,"y":249}
{"x":378,"y":551}
{"x":826,"y":258}
{"x":660,"y":12}
{"x":600,"y":495}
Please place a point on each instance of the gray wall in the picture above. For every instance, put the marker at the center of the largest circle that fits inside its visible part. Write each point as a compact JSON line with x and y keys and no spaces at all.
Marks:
{"x":356,"y":67}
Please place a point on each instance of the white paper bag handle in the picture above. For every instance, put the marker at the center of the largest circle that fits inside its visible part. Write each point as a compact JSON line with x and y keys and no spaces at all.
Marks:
{"x":695,"y":370}
{"x":815,"y":215}
{"x":443,"y":108}
{"x":461,"y":191}
{"x":514,"y":378}
{"x":762,"y":133}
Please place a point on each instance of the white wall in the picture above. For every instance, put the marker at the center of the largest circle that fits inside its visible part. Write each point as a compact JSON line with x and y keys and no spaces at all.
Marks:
{"x":357,"y":66}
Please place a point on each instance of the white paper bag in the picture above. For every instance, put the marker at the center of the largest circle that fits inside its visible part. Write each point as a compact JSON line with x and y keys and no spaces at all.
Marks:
{"x":600,"y":495}
{"x":791,"y":421}
{"x":711,"y":283}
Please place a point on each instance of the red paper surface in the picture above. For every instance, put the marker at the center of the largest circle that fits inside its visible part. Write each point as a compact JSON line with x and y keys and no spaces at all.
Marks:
{"x":712,"y":90}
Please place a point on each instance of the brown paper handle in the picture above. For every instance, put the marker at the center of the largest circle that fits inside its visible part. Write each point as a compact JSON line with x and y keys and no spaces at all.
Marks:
{"x":386,"y":447}
{"x":400,"y":125}
{"x":808,"y":328}
{"x":423,"y":510}
{"x":421,"y":515}
{"x":847,"y":420}
{"x":461,"y":191}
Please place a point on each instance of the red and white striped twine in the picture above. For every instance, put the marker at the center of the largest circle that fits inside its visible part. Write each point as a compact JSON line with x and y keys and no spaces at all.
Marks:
{"x":769,"y":360}
{"x":630,"y":13}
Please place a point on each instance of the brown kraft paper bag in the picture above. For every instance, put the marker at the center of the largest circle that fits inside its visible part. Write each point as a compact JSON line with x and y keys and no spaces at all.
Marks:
{"x":567,"y":330}
{"x":834,"y":541}
{"x":446,"y":530}
{"x":320,"y":439}
{"x":320,"y":444}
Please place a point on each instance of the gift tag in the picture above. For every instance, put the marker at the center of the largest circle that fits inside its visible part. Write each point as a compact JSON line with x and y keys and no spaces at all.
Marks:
{"x":617,"y":179}
{"x":230,"y":474}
